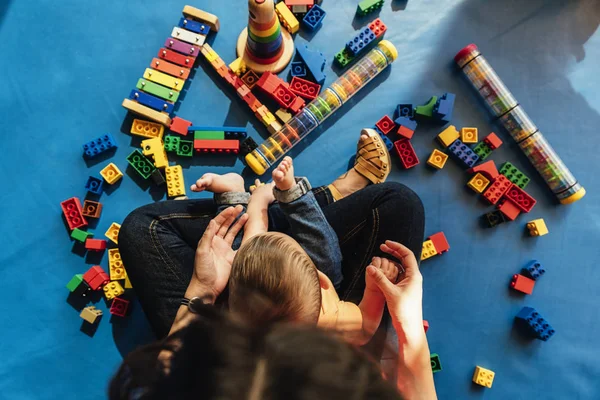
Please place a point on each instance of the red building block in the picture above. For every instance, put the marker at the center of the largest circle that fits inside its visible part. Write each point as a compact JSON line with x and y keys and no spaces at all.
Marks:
{"x":301,"y":87}
{"x":250,"y":78}
{"x":91,"y":209}
{"x":119,"y":307}
{"x":488,"y":169}
{"x":439,"y":242}
{"x":520,"y":198}
{"x":217,"y":146}
{"x":297,"y":105}
{"x":268,"y":82}
{"x":497,"y":189}
{"x":405,"y":132}
{"x":95,"y":244}
{"x":378,"y":27}
{"x":95,"y":277}
{"x":425,"y":325}
{"x":509,"y":209}
{"x":493,"y":141}
{"x":283,"y":96}
{"x":385,"y":125}
{"x":406,"y":152}
{"x":180,"y":125}
{"x":179,"y":59}
{"x":522,"y":284}
{"x":71,"y":208}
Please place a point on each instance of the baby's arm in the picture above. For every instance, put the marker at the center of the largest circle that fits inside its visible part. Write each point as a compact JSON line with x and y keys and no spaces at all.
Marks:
{"x":258,"y":220}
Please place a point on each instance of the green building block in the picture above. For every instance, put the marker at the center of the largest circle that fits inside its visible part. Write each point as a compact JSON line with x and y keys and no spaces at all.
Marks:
{"x":343,"y":58}
{"x":368,"y":6}
{"x":75,"y":282}
{"x":209,"y":135}
{"x":186,"y":148}
{"x":80,"y":235}
{"x":158,"y":90}
{"x":171,"y":143}
{"x":436,"y":365}
{"x":482,"y":150}
{"x":141,"y":164}
{"x":514,"y":175}
{"x":426,"y":110}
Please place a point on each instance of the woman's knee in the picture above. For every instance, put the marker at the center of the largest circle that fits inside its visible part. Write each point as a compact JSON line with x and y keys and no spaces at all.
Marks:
{"x":403,"y":197}
{"x":135,"y":226}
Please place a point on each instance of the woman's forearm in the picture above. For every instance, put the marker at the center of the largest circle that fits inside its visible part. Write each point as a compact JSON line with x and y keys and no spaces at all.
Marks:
{"x":184,"y":316}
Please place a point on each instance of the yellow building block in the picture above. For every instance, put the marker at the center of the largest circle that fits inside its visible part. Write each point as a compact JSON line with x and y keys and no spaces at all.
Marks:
{"x":478,"y":183}
{"x":163,"y":79}
{"x":428,"y":250}
{"x":147,"y":129}
{"x":91,"y":314}
{"x":175,"y":183}
{"x":483,"y":377}
{"x":113,"y":232}
{"x":469,"y":135}
{"x":128,"y":283}
{"x":154,"y":147}
{"x":437,"y":159}
{"x":238,"y":66}
{"x":448,"y":136}
{"x":537,"y":227}
{"x":115,"y":266}
{"x":283,"y":115}
{"x":202,"y":16}
{"x":274,"y":127}
{"x":112,"y":290}
{"x":287,"y":18}
{"x":146,"y":112}
{"x":111,"y":173}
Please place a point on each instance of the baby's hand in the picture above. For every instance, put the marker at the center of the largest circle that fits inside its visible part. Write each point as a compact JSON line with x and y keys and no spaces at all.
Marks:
{"x":283,"y":175}
{"x":389,"y":268}
{"x":262,"y":192}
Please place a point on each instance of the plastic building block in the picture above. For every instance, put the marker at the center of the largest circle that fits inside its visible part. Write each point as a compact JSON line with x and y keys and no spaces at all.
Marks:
{"x":488,"y":169}
{"x":71,"y":209}
{"x":439,"y":242}
{"x":314,"y":18}
{"x":406,"y":152}
{"x":436,"y":365}
{"x":368,"y":6}
{"x":493,"y":219}
{"x":425,"y":325}
{"x":119,"y":307}
{"x":537,"y":227}
{"x":483,"y":377}
{"x":283,"y":115}
{"x":269,"y":82}
{"x":360,"y":42}
{"x":493,"y":141}
{"x":80,"y":236}
{"x":482,"y":150}
{"x":158,"y":90}
{"x":378,"y":28}
{"x":111,"y":174}
{"x":497,"y":189}
{"x":509,"y":209}
{"x":250,"y":78}
{"x":428,"y":250}
{"x":146,"y":112}
{"x":287,"y":18}
{"x":112,"y":290}
{"x":147,"y":129}
{"x":182,"y":47}
{"x":314,"y":61}
{"x":180,"y":125}
{"x":95,"y":277}
{"x":478,"y":183}
{"x":154,"y":147}
{"x":176,"y":58}
{"x":448,"y":136}
{"x":343,"y":58}
{"x":533,"y":323}
{"x":91,"y":314}
{"x":209,"y":135}
{"x":168,"y":68}
{"x":444,"y":107}
{"x":202,"y":16}
{"x":437,"y":159}
{"x":115,"y":265}
{"x":298,"y":68}
{"x":175,"y":183}
{"x":171,"y":143}
{"x":406,"y":127}
{"x":91,"y":209}
{"x":186,"y":148}
{"x":248,"y":146}
{"x":469,"y":135}
{"x":520,"y":198}
{"x":217,"y":146}
{"x":522,"y":284}
{"x":301,"y":87}
{"x":426,"y":110}
{"x":95,"y":244}
{"x":533,"y":269}
{"x":187,"y":36}
{"x":385,"y":125}
{"x":388,"y":143}
{"x":297,"y":105}
{"x":141,"y":164}
{"x":404,"y":110}
{"x":284,"y":96}
{"x":238,"y":66}
{"x":113,"y":232}
{"x":128,"y":283}
{"x":157,"y":177}
{"x":194,"y":26}
{"x":74,"y":283}
{"x":463,"y":154}
{"x":94,"y":185}
{"x":98,"y":146}
{"x":514,"y":175}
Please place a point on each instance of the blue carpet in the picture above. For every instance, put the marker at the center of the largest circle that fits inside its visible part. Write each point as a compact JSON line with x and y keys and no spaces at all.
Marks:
{"x":66,"y":66}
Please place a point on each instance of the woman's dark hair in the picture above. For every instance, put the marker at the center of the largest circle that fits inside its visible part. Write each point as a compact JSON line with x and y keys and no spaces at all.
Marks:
{"x":217,"y":358}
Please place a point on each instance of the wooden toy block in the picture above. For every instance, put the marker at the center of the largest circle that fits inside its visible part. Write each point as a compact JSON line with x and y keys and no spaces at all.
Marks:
{"x":520,"y":198}
{"x":202,"y":16}
{"x":147,"y":129}
{"x":94,"y":185}
{"x":176,"y":58}
{"x":508,"y":209}
{"x":194,"y":26}
{"x":141,"y":164}
{"x":112,"y":290}
{"x":283,"y":115}
{"x":146,"y":112}
{"x":91,"y":314}
{"x":172,"y":69}
{"x":478,"y":183}
{"x":182,"y":47}
{"x":154,"y":147}
{"x":537,"y":227}
{"x":469,"y":135}
{"x":437,"y":159}
{"x":164,"y":79}
{"x":209,"y":135}
{"x":425,"y":325}
{"x":119,"y":307}
{"x":95,"y":277}
{"x":91,"y":209}
{"x":95,"y":244}
{"x":514,"y":175}
{"x":99,"y":145}
{"x":439,"y":242}
{"x":287,"y":18}
{"x":378,"y":28}
{"x":488,"y":169}
{"x":80,"y":235}
{"x":187,"y":36}
{"x":385,"y":125}
{"x":483,"y":377}
{"x":302,"y":87}
{"x":180,"y":125}
{"x":436,"y":365}
{"x":425,"y":111}
{"x":448,"y":136}
{"x":217,"y":146}
{"x":493,"y":141}
{"x":73,"y":213}
{"x":522,"y":284}
{"x":406,"y":152}
{"x":238,"y":66}
{"x":497,"y":189}
{"x":158,"y":90}
{"x":113,"y":232}
{"x":428,"y":250}
{"x":175,"y":182}
{"x":115,"y":265}
{"x":111,"y":173}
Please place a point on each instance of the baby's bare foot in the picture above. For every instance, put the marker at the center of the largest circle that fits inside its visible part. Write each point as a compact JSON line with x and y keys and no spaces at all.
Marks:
{"x":283,"y":175}
{"x":216,"y":183}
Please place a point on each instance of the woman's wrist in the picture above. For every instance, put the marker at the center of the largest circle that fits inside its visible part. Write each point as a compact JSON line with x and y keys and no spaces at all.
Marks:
{"x":198,"y":289}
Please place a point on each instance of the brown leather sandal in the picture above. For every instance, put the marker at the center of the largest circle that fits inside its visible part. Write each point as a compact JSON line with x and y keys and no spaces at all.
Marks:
{"x":372,"y":157}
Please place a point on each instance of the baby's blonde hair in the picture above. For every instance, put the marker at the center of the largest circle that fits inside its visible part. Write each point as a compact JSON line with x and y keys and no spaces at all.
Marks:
{"x":273,"y":279}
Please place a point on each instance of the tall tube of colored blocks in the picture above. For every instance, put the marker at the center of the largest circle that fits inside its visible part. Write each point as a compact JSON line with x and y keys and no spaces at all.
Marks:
{"x":332,"y":98}
{"x":511,"y":115}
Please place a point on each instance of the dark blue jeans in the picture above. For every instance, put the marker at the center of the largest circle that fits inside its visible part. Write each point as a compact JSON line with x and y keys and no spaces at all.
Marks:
{"x":158,"y":241}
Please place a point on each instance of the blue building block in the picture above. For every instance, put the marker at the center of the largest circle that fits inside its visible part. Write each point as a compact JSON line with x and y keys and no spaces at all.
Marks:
{"x":194,"y":26}
{"x":94,"y":185}
{"x":313,"y":18}
{"x":150,"y":101}
{"x":314,"y":62}
{"x":298,"y":69}
{"x":407,"y":122}
{"x":386,"y":140}
{"x":404,"y":110}
{"x":444,"y":107}
{"x":97,"y":146}
{"x":360,"y":41}
{"x":463,"y":154}
{"x":533,"y":323}
{"x":534,"y":269}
